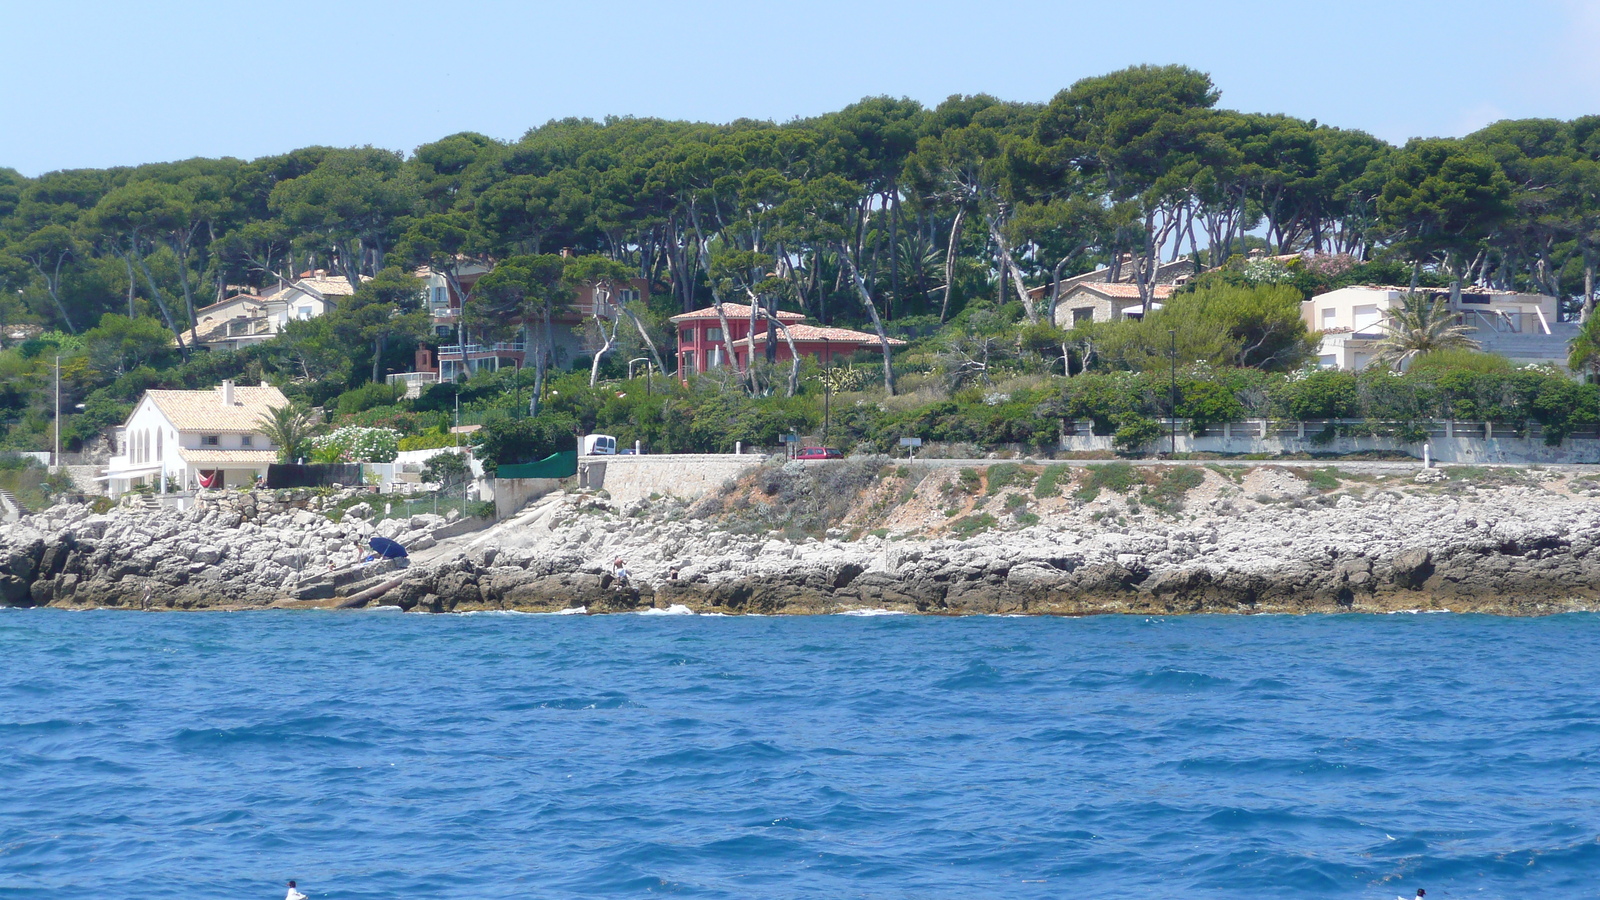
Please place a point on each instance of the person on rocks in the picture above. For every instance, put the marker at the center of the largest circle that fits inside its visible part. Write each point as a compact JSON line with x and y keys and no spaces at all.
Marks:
{"x":294,"y":893}
{"x":619,"y":575}
{"x":672,"y":574}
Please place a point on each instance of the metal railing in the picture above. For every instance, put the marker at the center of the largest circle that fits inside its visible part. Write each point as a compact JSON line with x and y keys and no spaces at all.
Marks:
{"x":456,"y":352}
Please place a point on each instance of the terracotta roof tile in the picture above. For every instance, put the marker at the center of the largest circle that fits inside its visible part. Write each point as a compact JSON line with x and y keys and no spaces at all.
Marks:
{"x":1120,"y":291}
{"x":228,"y":457}
{"x":203,"y":410}
{"x":733,"y":311}
{"x":825,"y":333}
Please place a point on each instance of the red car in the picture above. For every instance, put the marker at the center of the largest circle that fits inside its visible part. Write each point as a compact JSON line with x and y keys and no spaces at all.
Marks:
{"x":818,"y":453}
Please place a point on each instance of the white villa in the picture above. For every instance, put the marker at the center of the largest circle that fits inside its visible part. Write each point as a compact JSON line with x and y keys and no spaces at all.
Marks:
{"x":195,"y":439}
{"x":1520,"y":327}
{"x":246,"y":319}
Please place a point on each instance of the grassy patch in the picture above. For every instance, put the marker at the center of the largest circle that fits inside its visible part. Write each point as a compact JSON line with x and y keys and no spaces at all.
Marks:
{"x":968,"y":526}
{"x":1015,"y":500}
{"x":1116,"y":477}
{"x":1234,"y":474}
{"x":1321,"y":479}
{"x":1166,"y":494}
{"x":1025,"y":518}
{"x":1008,"y":475}
{"x":1049,"y":483}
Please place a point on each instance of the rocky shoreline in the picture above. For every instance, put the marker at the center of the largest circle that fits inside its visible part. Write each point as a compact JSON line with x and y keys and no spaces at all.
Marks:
{"x":1216,"y":540}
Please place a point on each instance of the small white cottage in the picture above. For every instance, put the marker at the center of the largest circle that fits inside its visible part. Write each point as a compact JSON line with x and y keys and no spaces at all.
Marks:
{"x":187,"y":440}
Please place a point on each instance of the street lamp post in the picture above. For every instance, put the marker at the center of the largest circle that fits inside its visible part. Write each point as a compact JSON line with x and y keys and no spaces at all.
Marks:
{"x":827,"y":389}
{"x":1172,"y":395}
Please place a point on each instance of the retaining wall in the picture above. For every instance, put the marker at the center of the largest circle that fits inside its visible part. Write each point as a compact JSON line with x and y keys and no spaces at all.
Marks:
{"x":1449,"y":443}
{"x":687,"y":476}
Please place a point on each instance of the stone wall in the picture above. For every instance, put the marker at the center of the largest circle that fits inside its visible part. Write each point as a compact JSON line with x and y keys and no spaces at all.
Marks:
{"x":687,"y":476}
{"x":1260,"y":437}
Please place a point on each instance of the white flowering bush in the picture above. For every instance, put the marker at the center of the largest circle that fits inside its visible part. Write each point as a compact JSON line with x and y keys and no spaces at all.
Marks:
{"x":1266,"y":270}
{"x":353,"y":443}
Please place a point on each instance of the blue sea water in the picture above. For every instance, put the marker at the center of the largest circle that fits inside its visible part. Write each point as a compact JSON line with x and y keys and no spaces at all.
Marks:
{"x":378,"y":755}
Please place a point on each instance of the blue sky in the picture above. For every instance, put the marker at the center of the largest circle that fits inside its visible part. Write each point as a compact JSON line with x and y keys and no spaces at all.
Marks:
{"x":100,"y":84}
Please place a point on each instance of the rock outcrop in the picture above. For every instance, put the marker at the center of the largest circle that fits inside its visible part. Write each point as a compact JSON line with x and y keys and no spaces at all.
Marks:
{"x":1263,"y":541}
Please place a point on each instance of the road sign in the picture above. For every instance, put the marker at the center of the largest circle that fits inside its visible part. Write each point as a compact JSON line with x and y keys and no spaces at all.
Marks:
{"x":788,"y":438}
{"x":911,"y":442}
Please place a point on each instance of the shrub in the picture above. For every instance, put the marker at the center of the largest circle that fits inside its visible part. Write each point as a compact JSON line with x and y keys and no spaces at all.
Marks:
{"x":1049,"y":483}
{"x":1117,"y":477}
{"x":967,"y":526}
{"x":433,"y":440}
{"x":369,"y":396}
{"x":1006,"y":475}
{"x":353,"y":443}
{"x":1135,"y":433}
{"x":1167,"y":493}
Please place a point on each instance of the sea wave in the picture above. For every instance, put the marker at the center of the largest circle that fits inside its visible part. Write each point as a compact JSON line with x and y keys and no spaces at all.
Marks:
{"x":797,"y":758}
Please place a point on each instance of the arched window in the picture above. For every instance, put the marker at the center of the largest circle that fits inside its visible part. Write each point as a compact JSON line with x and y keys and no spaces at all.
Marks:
{"x":158,"y":443}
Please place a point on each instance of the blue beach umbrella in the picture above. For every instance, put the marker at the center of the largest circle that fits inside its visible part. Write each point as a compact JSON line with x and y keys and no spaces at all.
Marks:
{"x":386,"y":548}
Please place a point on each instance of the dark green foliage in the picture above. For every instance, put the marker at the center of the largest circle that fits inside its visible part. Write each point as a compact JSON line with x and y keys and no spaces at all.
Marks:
{"x":448,"y":470}
{"x":369,"y":396}
{"x":1135,"y":433}
{"x":512,"y":441}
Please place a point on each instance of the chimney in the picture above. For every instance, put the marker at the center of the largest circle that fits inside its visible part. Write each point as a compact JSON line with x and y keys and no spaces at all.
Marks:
{"x":227,"y":393}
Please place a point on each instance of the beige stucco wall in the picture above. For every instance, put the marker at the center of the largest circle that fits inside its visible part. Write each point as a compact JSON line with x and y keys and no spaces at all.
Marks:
{"x":685,"y":476}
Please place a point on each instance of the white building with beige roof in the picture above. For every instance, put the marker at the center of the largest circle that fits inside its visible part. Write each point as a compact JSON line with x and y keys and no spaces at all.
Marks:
{"x":1522,"y":327}
{"x":187,"y":440}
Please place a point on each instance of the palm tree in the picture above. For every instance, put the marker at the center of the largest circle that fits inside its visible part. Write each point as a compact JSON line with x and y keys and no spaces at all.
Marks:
{"x":1584,"y":351}
{"x":289,"y":427}
{"x":1420,"y":325}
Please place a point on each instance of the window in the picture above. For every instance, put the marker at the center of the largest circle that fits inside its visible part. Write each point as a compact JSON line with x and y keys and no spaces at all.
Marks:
{"x":688,"y":361}
{"x":627,"y":295}
{"x":210,"y":440}
{"x":1082,"y":314}
{"x":440,"y":298}
{"x":713,"y":334}
{"x":248,"y":440}
{"x":1367,"y":317}
{"x":303,"y":312}
{"x":688,"y":336}
{"x":1328,"y":361}
{"x":1330,"y":317}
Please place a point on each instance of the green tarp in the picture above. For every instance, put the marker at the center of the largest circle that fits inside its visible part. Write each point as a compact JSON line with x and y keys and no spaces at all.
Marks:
{"x":556,"y":465}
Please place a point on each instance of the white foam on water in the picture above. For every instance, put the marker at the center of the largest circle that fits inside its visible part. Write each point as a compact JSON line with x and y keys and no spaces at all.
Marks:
{"x":572,"y":611}
{"x":871,"y":612}
{"x":675,"y":609}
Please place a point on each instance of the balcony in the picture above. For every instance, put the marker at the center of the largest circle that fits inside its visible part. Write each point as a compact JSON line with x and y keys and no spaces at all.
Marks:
{"x":415,"y":382}
{"x":459,"y":352}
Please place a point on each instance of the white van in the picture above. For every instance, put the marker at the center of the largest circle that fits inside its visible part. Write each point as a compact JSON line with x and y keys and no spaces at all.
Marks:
{"x":599,"y":445}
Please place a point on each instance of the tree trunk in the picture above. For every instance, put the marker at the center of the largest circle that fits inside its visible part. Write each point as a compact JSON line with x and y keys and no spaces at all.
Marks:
{"x":54,"y":283}
{"x":611,"y":340}
{"x":1588,"y":287}
{"x":794,"y":354}
{"x":161,"y":304}
{"x":378,"y":344}
{"x":894,"y":250}
{"x":1008,"y":269}
{"x":877,"y":323}
{"x":950,"y":264}
{"x":132,"y":283}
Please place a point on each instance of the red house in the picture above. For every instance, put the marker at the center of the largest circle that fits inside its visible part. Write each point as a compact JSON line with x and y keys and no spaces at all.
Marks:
{"x":700,"y":343}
